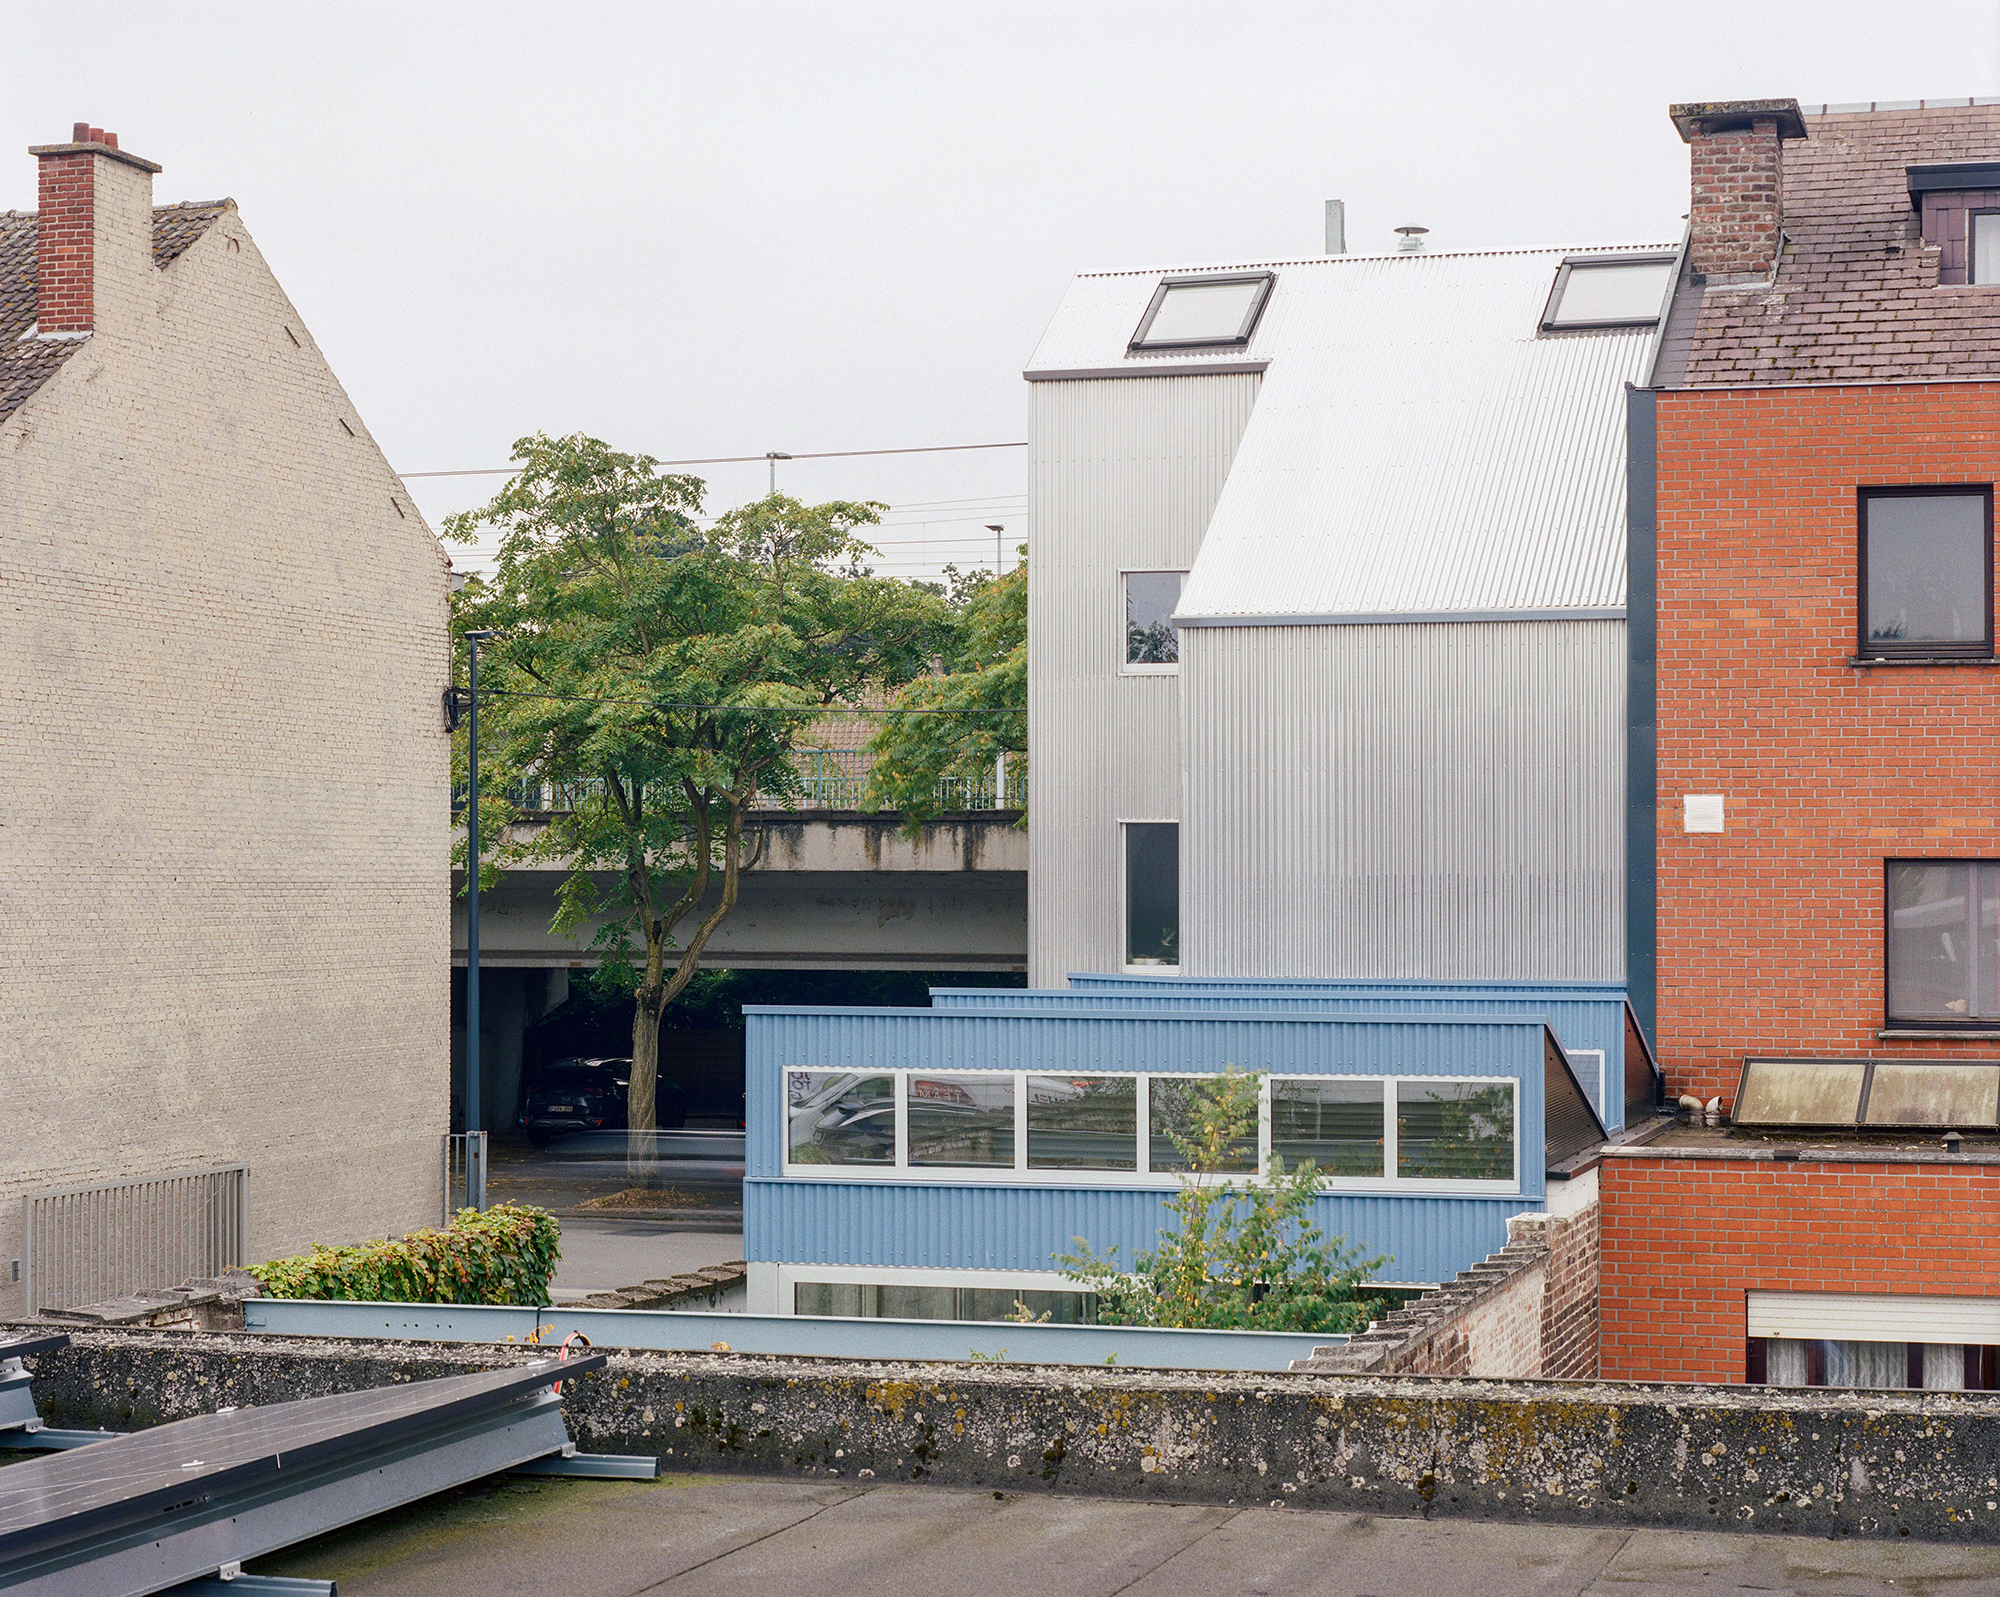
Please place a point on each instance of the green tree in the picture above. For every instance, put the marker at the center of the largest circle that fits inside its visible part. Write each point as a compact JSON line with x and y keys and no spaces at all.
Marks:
{"x":654,"y":676}
{"x":1244,"y":1255}
{"x":954,"y":725}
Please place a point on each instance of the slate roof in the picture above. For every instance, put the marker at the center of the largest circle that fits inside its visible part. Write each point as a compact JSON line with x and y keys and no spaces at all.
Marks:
{"x":25,"y":364}
{"x":1856,"y":295}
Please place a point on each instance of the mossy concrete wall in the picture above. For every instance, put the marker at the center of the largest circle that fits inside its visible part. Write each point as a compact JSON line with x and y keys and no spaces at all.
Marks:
{"x":1921,"y":1464}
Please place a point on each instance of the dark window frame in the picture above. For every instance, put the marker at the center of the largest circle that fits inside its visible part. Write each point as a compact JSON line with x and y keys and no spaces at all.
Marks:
{"x":1875,"y":648}
{"x":1972,"y":246}
{"x":1141,"y":343}
{"x":1553,"y":304}
{"x":1891,"y":1021}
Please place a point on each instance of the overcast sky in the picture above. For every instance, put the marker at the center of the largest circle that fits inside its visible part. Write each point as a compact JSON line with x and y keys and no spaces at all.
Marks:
{"x":721,"y":229}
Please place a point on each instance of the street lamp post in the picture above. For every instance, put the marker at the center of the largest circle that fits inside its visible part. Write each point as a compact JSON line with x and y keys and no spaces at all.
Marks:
{"x":475,"y":1167}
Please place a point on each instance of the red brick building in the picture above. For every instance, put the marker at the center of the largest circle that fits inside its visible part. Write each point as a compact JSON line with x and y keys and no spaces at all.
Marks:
{"x":1815,"y":838}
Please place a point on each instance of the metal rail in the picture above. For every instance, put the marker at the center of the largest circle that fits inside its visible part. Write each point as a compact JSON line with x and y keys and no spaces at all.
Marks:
{"x":86,"y":1244}
{"x":794,"y":1335}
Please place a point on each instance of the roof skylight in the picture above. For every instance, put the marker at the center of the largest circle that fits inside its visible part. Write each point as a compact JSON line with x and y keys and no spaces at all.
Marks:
{"x":1203,"y":312}
{"x":1613,"y":291}
{"x":1865,"y":1092}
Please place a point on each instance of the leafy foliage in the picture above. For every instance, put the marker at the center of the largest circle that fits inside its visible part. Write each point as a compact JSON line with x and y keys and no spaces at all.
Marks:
{"x":982,"y":691}
{"x":505,"y":1255}
{"x":661,"y":673}
{"x":1244,"y":1255}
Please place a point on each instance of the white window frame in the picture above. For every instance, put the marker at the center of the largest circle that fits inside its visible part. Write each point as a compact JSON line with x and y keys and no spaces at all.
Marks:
{"x":1127,"y":668}
{"x":791,"y":1276}
{"x":1142,"y":1175}
{"x":1125,"y":895}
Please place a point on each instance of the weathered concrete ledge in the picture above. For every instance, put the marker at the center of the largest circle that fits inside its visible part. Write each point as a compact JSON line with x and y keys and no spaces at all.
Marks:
{"x":1925,"y":1465}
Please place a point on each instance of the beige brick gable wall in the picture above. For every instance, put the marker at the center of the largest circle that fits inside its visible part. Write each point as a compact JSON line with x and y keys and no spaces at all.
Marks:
{"x":224,"y":897}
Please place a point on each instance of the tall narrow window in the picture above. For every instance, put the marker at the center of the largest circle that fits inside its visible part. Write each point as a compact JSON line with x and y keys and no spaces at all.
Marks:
{"x":1944,"y":942}
{"x":1983,"y":234}
{"x":1152,"y":893}
{"x":1152,"y":641}
{"x":1926,"y":571}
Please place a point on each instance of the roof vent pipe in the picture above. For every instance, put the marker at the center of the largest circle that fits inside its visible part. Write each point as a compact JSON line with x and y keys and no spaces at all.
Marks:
{"x":1336,"y":227}
{"x":1412,"y":238}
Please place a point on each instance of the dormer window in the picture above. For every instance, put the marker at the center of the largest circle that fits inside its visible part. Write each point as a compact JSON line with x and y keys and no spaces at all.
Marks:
{"x":1959,"y":203}
{"x":1608,"y":291}
{"x":1204,"y":312}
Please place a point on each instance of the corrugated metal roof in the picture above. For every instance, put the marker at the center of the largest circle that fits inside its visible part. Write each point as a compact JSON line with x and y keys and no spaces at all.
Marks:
{"x":1417,"y":450}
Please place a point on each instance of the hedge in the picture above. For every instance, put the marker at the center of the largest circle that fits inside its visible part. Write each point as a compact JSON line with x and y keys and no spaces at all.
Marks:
{"x":505,"y":1255}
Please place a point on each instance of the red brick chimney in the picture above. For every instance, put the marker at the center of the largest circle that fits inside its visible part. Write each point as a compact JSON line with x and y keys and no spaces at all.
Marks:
{"x":93,"y":232}
{"x":1736,"y":182}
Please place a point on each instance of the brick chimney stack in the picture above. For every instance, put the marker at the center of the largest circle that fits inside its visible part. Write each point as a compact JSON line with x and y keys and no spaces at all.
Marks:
{"x":1736,"y":183}
{"x":93,"y":234}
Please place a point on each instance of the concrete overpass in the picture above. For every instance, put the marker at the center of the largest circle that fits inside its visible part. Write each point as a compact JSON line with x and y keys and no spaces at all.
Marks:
{"x":834,"y":890}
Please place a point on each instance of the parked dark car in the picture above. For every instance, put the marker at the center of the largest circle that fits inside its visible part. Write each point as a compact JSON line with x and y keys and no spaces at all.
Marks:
{"x":590,"y":1095}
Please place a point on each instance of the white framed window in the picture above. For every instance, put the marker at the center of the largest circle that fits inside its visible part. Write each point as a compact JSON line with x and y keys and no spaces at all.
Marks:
{"x":1152,"y":641}
{"x":874,"y":1291}
{"x":1150,"y":891}
{"x":1366,"y":1132}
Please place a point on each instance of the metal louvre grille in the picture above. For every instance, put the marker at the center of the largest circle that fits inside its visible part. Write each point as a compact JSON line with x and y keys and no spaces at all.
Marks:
{"x":93,"y":1243}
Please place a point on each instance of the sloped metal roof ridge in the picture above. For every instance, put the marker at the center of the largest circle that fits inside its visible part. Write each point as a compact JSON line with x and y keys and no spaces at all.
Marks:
{"x":1419,"y":448}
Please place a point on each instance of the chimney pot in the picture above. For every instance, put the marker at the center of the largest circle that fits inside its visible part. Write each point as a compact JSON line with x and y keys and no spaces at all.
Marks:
{"x":97,"y":135}
{"x":80,"y":134}
{"x":111,"y":139}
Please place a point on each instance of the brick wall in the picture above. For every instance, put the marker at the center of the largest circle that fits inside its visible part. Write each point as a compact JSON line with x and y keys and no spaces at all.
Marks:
{"x":224,"y":912}
{"x":1733,"y":179}
{"x":1528,"y":1310}
{"x":1685,"y":1238}
{"x":1771,"y":932}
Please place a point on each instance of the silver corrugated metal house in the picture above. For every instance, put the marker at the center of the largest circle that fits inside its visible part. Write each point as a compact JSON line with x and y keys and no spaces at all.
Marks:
{"x":1327,"y":654}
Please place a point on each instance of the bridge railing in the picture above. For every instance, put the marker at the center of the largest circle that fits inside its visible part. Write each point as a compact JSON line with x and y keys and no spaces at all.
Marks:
{"x":832,"y":779}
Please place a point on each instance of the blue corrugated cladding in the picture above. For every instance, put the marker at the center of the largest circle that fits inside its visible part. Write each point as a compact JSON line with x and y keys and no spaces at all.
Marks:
{"x":940,"y":1225}
{"x":1581,"y":1014}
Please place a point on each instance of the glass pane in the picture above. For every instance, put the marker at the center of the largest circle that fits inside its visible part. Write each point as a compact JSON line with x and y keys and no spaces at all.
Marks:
{"x":1944,"y":1367}
{"x":1613,"y":294}
{"x":1874,"y":1365}
{"x":1944,"y":940}
{"x":1083,"y":1123}
{"x":916,"y":1302}
{"x":1986,"y":247}
{"x":1455,"y":1130}
{"x":1339,"y":1125}
{"x":1153,"y":893}
{"x":1784,"y":1362}
{"x":1934,"y":1095}
{"x":1800,"y":1092}
{"x":1176,"y":1107}
{"x":838,"y":1117}
{"x":1006,"y":1303}
{"x":1926,"y":575}
{"x":1151,"y":637}
{"x":962,"y":1120}
{"x":1203,"y":312}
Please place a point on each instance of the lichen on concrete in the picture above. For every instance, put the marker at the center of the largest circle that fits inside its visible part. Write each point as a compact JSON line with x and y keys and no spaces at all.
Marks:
{"x":1919,"y":1464}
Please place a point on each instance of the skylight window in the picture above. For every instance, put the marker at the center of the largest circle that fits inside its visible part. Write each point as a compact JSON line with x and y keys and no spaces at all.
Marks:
{"x":1937,"y":1094}
{"x":1204,"y":312}
{"x":1618,"y":291}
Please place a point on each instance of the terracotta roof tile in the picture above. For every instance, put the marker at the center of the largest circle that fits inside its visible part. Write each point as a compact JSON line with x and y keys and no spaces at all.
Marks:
{"x":27,"y":363}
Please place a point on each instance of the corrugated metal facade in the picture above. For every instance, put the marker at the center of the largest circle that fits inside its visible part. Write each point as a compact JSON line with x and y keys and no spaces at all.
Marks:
{"x":936,"y":1223}
{"x":1419,"y":446}
{"x":1581,"y":1017}
{"x":1442,"y":801}
{"x":1123,"y":476}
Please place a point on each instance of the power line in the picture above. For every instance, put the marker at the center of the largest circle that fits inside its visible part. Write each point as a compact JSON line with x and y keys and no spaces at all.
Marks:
{"x":739,"y":460}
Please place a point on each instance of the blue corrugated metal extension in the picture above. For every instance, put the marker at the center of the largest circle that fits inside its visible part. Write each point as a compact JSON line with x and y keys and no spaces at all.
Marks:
{"x":933,"y":1221}
{"x":1583,"y":1015}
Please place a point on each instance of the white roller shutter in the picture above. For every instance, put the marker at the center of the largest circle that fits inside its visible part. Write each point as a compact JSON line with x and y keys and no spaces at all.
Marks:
{"x":1873,"y":1317}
